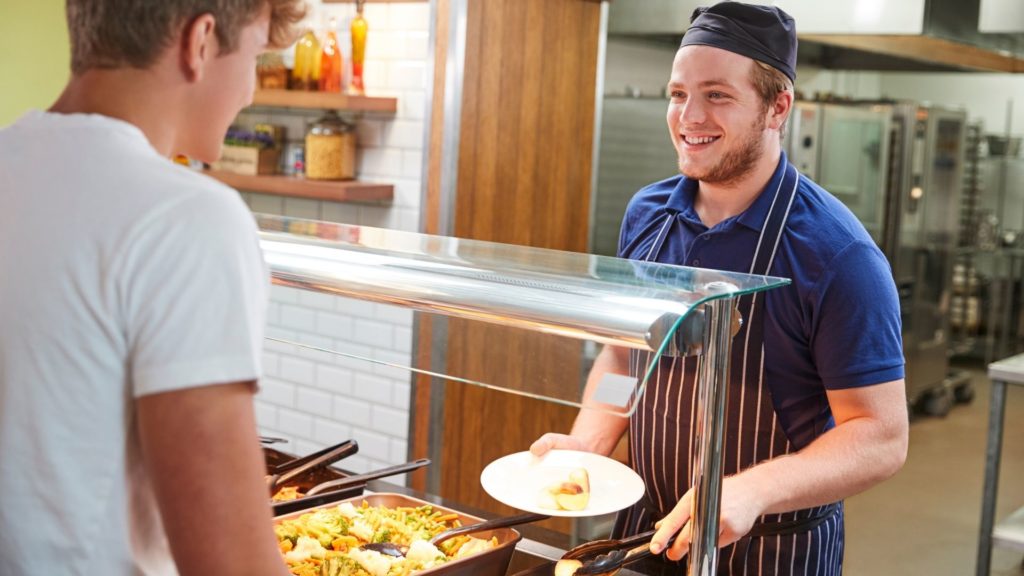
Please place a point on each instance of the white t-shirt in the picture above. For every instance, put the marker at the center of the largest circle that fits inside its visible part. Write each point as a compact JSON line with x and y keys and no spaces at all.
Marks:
{"x":121,"y":274}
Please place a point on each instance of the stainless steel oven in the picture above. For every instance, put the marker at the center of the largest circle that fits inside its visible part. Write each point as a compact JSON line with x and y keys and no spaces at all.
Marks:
{"x":899,"y":168}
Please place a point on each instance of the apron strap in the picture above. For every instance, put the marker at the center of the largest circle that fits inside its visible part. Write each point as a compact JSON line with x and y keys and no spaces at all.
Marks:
{"x":775,"y":222}
{"x":659,"y":241}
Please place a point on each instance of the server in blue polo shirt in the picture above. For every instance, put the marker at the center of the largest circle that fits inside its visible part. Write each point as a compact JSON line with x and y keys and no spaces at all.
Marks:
{"x":817,"y":408}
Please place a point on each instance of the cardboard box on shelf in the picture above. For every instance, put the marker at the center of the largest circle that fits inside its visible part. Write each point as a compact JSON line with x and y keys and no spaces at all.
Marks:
{"x":248,"y":160}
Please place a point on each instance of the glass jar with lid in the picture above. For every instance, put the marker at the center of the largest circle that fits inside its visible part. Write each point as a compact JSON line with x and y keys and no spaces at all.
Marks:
{"x":331,"y":149}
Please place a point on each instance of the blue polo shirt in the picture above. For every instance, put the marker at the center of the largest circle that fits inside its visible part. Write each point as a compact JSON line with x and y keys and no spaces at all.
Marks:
{"x":836,"y":326}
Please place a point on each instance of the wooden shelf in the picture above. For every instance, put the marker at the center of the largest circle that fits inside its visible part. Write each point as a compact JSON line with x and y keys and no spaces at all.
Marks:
{"x":324,"y":101}
{"x":333,"y":190}
{"x":924,"y":49}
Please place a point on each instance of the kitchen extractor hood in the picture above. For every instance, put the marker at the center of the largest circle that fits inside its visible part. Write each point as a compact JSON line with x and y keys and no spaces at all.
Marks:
{"x":869,"y":34}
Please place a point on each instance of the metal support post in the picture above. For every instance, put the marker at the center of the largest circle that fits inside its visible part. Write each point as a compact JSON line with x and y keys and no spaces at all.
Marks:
{"x":996,"y":416}
{"x":707,"y":468}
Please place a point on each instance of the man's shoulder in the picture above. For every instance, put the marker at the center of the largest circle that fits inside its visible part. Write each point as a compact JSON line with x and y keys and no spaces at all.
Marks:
{"x":106,"y":159}
{"x":821,"y":217}
{"x":184,"y":194}
{"x":822,"y":233}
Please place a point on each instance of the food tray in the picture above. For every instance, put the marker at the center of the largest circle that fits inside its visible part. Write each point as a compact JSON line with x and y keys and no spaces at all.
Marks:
{"x":493,"y":562}
{"x":306,"y":481}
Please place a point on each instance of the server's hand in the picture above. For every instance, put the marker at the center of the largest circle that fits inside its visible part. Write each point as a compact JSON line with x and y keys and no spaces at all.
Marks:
{"x":738,"y":513}
{"x":553,"y":441}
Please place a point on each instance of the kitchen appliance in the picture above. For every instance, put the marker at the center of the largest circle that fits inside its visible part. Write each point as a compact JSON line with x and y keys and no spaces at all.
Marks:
{"x":899,"y":168}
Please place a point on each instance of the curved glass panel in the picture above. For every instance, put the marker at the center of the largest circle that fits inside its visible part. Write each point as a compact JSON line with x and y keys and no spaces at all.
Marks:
{"x":523,"y":320}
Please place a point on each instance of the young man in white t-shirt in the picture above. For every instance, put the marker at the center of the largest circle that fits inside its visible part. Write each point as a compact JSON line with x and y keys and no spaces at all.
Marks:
{"x":132,"y":296}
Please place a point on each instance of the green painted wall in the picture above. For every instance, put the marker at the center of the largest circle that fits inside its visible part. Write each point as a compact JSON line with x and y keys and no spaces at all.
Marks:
{"x":34,"y":55}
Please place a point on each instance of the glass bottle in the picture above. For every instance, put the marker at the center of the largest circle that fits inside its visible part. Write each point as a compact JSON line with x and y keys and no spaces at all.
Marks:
{"x":306,"y":73}
{"x":330,"y":62}
{"x":358,"y":30}
{"x":331,"y":149}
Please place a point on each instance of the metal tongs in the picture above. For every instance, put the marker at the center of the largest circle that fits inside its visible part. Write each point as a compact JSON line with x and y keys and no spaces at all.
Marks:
{"x":282,"y":473}
{"x":334,"y":490}
{"x":608,"y":556}
{"x":612,"y":561}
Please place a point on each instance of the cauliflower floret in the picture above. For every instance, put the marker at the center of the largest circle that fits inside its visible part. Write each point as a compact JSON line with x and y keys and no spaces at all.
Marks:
{"x":347,"y":510}
{"x":305,"y":548}
{"x":425,"y":552}
{"x":375,"y":563}
{"x":361,"y":530}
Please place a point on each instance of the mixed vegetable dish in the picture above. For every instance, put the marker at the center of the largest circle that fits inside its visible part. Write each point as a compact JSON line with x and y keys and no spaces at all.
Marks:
{"x":329,"y":541}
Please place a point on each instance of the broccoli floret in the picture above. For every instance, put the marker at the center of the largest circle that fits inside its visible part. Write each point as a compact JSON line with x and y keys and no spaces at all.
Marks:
{"x":286,"y":531}
{"x":326,"y":525}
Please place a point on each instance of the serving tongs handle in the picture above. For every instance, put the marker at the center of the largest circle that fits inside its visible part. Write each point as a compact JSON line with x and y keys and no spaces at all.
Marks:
{"x":289,"y":470}
{"x":493,"y":524}
{"x":641,"y":538}
{"x":343,"y":449}
{"x":597,"y":547}
{"x":360,"y":479}
{"x":612,"y":561}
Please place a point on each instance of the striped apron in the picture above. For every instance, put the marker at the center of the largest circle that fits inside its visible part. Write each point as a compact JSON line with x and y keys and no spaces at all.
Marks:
{"x":662,"y":443}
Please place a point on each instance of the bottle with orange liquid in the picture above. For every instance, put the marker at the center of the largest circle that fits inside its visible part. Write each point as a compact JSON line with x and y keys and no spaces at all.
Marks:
{"x":358,"y":29}
{"x":331,"y":62}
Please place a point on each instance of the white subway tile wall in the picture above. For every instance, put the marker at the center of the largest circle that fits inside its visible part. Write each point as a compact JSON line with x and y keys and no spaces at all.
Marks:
{"x":309,"y":396}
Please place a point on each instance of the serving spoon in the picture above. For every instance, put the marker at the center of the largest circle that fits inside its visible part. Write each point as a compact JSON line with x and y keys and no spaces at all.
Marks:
{"x":392,"y":549}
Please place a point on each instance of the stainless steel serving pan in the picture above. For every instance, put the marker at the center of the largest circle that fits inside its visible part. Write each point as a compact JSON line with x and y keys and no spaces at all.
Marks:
{"x":493,"y":562}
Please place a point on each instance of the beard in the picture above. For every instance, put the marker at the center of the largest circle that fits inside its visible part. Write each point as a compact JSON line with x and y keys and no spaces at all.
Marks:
{"x":735,"y":163}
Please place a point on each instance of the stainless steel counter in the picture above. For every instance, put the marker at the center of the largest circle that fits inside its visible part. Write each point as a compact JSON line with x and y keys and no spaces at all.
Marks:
{"x":1010,"y":532}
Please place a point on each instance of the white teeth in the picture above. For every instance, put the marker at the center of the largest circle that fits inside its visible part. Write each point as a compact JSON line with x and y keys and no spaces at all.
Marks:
{"x":699,"y":140}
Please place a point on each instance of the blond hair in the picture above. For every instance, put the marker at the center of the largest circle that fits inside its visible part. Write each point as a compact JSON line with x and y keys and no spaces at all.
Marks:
{"x":133,"y":33}
{"x":769,"y":82}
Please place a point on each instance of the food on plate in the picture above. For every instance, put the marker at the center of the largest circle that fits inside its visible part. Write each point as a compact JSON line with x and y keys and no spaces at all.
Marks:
{"x":572,"y":494}
{"x":328,"y":541}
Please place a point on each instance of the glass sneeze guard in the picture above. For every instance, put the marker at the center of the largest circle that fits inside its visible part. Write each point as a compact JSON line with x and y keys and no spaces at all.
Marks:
{"x":533,"y":306}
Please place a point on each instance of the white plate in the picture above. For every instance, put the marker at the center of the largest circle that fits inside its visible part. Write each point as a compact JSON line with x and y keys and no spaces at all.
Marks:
{"x":519,"y":479}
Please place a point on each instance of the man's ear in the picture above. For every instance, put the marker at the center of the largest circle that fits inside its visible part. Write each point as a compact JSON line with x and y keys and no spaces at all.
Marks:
{"x":780,"y":109}
{"x":198,"y":46}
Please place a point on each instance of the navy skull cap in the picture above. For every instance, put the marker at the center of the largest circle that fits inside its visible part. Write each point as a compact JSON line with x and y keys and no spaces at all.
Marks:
{"x":765,"y":33}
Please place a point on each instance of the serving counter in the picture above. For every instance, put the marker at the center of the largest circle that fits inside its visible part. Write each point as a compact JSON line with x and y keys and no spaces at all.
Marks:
{"x":541,"y":300}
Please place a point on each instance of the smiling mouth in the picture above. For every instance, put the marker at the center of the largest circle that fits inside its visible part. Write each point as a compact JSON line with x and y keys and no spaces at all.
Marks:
{"x":699,"y":140}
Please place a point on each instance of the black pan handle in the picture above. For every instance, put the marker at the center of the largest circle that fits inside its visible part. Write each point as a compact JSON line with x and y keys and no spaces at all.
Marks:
{"x":364,"y":478}
{"x":488,"y":525}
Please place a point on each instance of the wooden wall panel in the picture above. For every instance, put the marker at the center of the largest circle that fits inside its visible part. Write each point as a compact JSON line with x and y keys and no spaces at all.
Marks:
{"x":526,"y":139}
{"x":528,"y":122}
